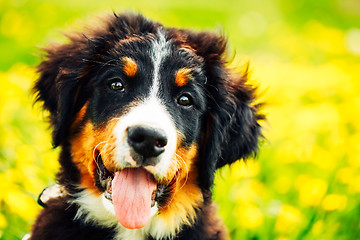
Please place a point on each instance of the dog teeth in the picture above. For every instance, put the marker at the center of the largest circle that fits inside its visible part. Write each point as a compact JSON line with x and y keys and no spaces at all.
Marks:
{"x":108,"y":195}
{"x":108,"y":184}
{"x":108,"y":188}
{"x":153,"y":196}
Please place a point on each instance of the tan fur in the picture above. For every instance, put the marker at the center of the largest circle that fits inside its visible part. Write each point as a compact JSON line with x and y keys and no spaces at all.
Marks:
{"x":130,"y":66}
{"x":85,"y":148}
{"x":187,"y":196}
{"x":182,"y":76}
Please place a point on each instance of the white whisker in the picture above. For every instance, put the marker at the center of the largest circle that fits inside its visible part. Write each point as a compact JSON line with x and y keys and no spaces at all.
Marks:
{"x":187,"y":169}
{"x":95,"y":158}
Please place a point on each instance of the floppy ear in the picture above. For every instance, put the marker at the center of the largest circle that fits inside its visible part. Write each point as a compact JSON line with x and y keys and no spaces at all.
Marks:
{"x":58,"y":84}
{"x":231,"y":130}
{"x":63,"y":73}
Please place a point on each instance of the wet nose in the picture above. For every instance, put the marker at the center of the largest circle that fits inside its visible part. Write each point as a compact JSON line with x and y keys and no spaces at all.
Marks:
{"x":147,"y":141}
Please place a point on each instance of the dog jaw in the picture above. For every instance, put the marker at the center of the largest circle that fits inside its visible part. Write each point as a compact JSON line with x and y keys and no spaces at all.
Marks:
{"x":176,"y":167}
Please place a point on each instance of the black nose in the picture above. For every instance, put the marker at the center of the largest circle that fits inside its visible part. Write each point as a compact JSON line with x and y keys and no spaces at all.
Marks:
{"x":146,"y":141}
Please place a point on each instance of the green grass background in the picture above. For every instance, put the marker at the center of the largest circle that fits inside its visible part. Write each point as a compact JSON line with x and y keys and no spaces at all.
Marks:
{"x":305,"y":55}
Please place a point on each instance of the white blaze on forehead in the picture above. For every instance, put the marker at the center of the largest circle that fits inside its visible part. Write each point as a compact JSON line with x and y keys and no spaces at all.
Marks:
{"x":150,"y":112}
{"x":159,"y":50}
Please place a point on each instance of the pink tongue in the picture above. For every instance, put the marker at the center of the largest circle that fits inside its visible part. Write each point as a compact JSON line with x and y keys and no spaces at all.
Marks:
{"x":131,"y":196}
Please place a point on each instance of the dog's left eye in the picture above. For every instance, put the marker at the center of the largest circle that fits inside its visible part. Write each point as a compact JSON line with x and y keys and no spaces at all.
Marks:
{"x":185,"y":100}
{"x":117,"y":85}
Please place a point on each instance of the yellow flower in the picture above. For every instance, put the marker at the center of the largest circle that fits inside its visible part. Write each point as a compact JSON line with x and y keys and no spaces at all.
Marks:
{"x":250,"y":217}
{"x":355,"y":184}
{"x":3,"y":222}
{"x":249,"y":191}
{"x":327,"y":39}
{"x":345,"y":175}
{"x":283,"y":184}
{"x":333,"y":202}
{"x":289,"y":219}
{"x":241,"y":169}
{"x":21,"y":204}
{"x":311,"y":190}
{"x":318,"y":227}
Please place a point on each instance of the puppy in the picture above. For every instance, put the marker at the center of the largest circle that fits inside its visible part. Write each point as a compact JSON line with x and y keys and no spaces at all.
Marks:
{"x":144,"y":116}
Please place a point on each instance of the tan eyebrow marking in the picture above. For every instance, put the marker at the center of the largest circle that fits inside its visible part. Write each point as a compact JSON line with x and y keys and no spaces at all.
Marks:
{"x":130,"y":66}
{"x":182,"y":76}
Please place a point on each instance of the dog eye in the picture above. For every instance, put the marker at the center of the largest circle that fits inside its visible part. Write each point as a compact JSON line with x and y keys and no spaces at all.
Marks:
{"x":117,"y":86}
{"x":185,"y":100}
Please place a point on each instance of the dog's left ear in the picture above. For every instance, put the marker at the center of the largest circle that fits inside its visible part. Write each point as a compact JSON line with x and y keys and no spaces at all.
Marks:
{"x":231,"y":130}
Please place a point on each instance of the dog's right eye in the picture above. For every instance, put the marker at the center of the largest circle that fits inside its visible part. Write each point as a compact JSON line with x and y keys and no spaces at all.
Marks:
{"x":117,"y":85}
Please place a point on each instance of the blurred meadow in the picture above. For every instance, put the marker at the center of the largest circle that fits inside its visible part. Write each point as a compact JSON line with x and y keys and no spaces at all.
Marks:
{"x":305,"y":56}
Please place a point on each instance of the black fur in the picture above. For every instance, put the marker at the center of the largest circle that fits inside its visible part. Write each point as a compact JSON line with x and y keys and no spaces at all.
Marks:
{"x":62,"y":226}
{"x":224,"y":123}
{"x":230,"y":129}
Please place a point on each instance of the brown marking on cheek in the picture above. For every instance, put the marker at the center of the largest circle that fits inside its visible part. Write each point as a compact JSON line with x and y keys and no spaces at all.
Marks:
{"x":82,"y":154}
{"x":182,"y":76}
{"x":106,"y":150}
{"x":130,"y":67}
{"x":79,"y":117}
{"x":86,"y":146}
{"x":187,"y":195}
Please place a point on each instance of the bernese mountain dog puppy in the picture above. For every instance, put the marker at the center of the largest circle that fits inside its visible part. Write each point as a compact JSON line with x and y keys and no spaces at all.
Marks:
{"x":144,"y":116}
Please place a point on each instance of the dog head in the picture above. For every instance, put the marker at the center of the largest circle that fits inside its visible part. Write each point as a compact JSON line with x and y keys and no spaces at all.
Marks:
{"x":145,"y":115}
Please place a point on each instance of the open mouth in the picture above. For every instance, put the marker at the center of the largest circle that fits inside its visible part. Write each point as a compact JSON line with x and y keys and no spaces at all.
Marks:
{"x":132,"y":191}
{"x":105,"y":178}
{"x":106,"y":181}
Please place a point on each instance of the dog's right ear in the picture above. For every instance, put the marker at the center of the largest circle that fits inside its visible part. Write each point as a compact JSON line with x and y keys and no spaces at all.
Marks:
{"x":58,"y":84}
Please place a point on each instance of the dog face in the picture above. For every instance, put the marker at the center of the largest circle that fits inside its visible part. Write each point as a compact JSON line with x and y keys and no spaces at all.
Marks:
{"x":151,"y":94}
{"x":146,"y":115}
